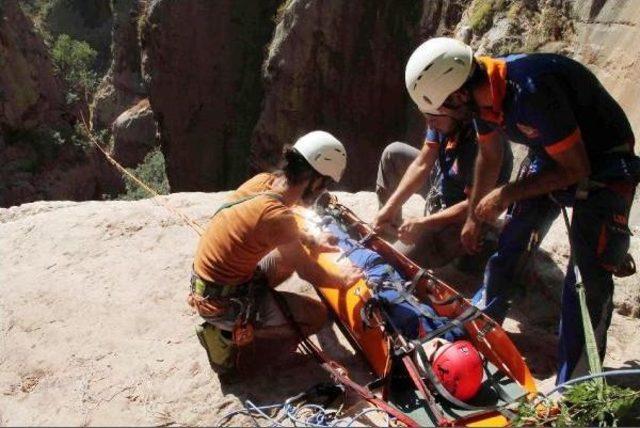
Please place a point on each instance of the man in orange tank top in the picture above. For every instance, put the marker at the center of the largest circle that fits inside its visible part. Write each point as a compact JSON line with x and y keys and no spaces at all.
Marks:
{"x":253,"y":242}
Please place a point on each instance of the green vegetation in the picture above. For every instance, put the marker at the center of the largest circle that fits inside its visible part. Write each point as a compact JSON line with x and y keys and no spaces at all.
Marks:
{"x":32,"y":7}
{"x":482,"y":12}
{"x":143,"y":6}
{"x":550,"y":24}
{"x":532,"y":26}
{"x":586,"y":404}
{"x":42,"y":145}
{"x":152,"y":172}
{"x":73,"y":61}
{"x":87,"y":21}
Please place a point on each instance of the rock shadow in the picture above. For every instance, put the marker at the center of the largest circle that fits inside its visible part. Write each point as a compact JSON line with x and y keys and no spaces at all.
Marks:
{"x":271,"y":371}
{"x":626,"y":381}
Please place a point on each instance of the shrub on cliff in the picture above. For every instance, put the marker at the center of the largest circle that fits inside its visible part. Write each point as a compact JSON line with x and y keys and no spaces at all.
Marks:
{"x":152,"y":172}
{"x":74,"y":61}
{"x":481,"y":13}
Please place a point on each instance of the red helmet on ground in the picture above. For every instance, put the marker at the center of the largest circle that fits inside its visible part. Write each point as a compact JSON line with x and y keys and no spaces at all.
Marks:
{"x":458,"y":365}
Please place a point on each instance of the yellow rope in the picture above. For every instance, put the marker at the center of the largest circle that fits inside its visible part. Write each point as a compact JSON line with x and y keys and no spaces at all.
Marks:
{"x":195,"y":226}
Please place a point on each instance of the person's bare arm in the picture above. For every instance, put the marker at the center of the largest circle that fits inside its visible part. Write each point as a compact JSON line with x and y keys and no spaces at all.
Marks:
{"x":571,"y":166}
{"x":487,"y":170}
{"x":413,"y":227}
{"x":311,"y":271}
{"x":415,"y":176}
{"x":323,"y":243}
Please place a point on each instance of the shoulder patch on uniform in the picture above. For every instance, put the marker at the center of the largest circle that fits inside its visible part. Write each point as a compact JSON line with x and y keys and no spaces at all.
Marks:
{"x":529,"y":131}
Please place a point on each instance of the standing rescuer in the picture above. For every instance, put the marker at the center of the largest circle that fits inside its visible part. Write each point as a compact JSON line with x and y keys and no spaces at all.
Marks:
{"x":253,"y":243}
{"x":583,"y":156}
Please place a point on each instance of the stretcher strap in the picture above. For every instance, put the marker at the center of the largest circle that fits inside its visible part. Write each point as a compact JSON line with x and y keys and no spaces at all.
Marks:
{"x":422,"y":273}
{"x":502,"y":393}
{"x":426,"y":394}
{"x":403,"y":296}
{"x":469,"y":314}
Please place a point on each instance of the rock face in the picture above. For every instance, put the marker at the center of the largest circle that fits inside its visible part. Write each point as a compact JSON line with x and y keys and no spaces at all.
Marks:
{"x":204,"y":85}
{"x":122,"y":85}
{"x":36,"y":160}
{"x":30,"y":94}
{"x":134,"y":134}
{"x":608,"y":36}
{"x":603,"y":34}
{"x":95,"y":330}
{"x":324,"y":71}
{"x":333,"y":65}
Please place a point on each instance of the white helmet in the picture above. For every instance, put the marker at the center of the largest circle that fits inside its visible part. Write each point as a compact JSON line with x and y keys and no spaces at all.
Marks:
{"x":324,"y":153}
{"x":435,"y":70}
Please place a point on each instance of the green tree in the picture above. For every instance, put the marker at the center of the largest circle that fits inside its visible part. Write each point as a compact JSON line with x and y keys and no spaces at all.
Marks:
{"x":74,"y":61}
{"x":152,"y":172}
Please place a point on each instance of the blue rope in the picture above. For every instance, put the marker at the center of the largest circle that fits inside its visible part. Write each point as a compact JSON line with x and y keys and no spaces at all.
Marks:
{"x":594,"y":376}
{"x":319,"y":417}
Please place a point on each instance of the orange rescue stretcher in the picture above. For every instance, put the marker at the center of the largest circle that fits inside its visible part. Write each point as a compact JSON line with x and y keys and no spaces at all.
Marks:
{"x":507,"y":377}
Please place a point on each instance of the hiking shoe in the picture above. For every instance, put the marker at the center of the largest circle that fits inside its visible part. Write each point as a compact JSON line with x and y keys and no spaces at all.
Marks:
{"x":221,"y":351}
{"x":626,"y":268}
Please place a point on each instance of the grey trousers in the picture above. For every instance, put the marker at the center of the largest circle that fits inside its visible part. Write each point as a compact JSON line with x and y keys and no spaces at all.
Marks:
{"x":394,"y":162}
{"x":434,"y":248}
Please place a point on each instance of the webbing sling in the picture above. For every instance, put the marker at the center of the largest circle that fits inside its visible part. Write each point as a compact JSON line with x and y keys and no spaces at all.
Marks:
{"x":590,"y":343}
{"x":247,"y":198}
{"x":469,"y":314}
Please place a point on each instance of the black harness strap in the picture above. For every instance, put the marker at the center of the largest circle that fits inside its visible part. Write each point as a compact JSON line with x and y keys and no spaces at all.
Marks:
{"x":403,"y":296}
{"x":495,"y":384}
{"x":422,"y":273}
{"x":469,"y":314}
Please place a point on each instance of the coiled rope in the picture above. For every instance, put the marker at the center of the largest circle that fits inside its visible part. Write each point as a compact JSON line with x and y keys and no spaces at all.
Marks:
{"x":301,"y":415}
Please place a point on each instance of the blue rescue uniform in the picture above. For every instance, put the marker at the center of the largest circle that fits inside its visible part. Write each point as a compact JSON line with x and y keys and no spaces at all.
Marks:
{"x":456,"y":159}
{"x":550,"y":103}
